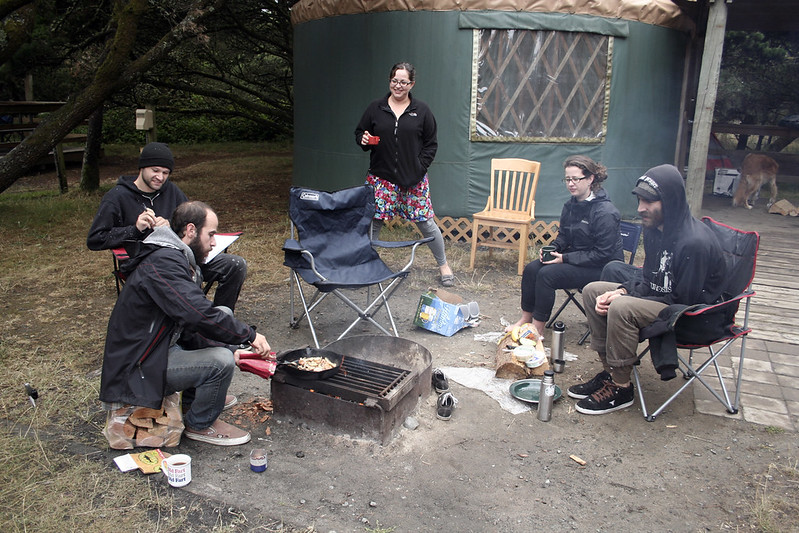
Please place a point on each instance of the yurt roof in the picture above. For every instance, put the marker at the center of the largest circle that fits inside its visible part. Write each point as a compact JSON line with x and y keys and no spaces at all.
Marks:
{"x":656,"y":12}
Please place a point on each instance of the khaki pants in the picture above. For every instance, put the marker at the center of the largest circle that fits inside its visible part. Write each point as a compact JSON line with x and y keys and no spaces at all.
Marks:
{"x":615,"y":335}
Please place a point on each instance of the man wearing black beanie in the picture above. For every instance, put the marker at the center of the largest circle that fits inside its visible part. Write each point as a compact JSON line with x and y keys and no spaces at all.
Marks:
{"x":130,"y":211}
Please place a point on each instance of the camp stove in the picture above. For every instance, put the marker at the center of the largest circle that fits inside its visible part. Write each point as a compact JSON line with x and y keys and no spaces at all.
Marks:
{"x":380,"y":383}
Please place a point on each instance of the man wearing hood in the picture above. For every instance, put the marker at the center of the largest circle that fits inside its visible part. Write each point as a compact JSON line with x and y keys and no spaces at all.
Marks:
{"x":683,"y":264}
{"x":160,"y":315}
{"x":138,"y":204}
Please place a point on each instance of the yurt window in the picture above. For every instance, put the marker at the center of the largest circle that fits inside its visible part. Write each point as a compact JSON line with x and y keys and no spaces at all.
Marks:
{"x":540,"y":86}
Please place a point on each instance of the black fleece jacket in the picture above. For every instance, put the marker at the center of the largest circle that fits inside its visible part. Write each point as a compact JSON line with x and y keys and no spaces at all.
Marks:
{"x":407,"y":145}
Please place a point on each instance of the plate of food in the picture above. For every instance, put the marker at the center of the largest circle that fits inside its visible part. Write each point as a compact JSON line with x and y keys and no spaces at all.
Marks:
{"x":527,"y":390}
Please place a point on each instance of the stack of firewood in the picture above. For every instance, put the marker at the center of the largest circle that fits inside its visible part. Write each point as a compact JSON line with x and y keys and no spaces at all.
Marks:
{"x":130,"y":426}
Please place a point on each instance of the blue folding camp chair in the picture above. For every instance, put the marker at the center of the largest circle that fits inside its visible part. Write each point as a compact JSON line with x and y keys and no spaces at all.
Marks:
{"x":331,"y":250}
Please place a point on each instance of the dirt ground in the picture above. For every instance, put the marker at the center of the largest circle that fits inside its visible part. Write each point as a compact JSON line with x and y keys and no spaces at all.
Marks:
{"x":486,"y":469}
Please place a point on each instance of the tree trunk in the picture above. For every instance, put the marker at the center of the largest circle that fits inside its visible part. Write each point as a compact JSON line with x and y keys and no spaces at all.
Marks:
{"x":115,"y":72}
{"x":90,"y":172}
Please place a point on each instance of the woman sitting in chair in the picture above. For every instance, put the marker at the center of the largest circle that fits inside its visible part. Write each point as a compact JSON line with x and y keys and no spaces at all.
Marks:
{"x":587,"y":240}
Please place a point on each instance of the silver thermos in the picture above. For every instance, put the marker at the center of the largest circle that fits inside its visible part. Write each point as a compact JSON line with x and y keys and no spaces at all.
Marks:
{"x":556,"y":352}
{"x":546,"y":396}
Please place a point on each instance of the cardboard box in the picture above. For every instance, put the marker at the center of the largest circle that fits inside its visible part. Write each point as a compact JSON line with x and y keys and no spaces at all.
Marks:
{"x":726,"y":181}
{"x":438,"y":311}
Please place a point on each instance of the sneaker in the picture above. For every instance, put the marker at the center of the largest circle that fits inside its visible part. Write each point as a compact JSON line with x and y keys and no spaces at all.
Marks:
{"x":445,"y":405}
{"x":609,"y":398}
{"x":584,"y":390}
{"x":230,"y":401}
{"x":440,"y":383}
{"x":219,"y":433}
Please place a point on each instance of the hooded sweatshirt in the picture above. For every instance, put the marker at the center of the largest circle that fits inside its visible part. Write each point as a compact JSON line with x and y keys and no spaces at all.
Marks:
{"x":684,"y":262}
{"x":115,"y":222}
{"x":161,"y":298}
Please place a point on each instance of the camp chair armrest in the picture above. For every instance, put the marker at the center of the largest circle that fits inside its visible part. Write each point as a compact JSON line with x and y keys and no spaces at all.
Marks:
{"x":695,"y":310}
{"x":401,"y":244}
{"x":292,"y":245}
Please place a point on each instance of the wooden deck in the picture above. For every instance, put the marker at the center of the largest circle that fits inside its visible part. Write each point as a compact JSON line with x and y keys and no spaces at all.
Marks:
{"x":774,"y":314}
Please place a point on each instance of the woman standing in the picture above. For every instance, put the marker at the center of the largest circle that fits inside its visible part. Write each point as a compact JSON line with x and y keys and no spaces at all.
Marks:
{"x":399,"y":131}
{"x":587,"y":240}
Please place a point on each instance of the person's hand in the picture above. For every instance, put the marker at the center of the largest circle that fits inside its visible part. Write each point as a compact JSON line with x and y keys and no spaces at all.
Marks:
{"x":558,"y":258}
{"x":160,"y":221}
{"x":365,"y":138}
{"x":146,"y":220}
{"x":604,"y":300}
{"x":261,"y":346}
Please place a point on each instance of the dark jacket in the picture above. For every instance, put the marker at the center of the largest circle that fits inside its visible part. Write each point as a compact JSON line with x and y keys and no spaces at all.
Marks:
{"x":684,"y":263}
{"x":162,"y":296}
{"x":589,"y":232}
{"x":115,"y":221}
{"x":407,"y":145}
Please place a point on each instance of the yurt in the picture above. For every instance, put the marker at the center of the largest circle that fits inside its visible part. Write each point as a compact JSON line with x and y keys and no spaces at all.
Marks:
{"x":535,"y":79}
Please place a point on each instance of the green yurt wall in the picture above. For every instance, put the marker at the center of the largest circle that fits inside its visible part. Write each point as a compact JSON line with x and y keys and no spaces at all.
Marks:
{"x":343,"y":62}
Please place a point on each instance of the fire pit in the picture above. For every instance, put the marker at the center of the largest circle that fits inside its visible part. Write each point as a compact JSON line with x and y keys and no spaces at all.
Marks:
{"x":380,"y":383}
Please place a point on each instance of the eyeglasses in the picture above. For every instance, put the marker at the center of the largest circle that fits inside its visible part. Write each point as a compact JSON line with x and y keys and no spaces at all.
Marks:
{"x":403,"y":83}
{"x":573,"y":180}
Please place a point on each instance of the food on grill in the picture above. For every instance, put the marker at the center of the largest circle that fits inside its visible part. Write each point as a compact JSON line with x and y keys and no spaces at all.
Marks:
{"x":314,"y":364}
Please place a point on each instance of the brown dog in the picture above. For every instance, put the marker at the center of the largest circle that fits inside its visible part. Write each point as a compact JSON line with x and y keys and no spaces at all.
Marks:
{"x":756,"y":171}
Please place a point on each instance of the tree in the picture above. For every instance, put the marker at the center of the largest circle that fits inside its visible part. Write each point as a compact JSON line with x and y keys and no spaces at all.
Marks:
{"x":759,"y":79}
{"x":123,"y":50}
{"x":243,"y":68}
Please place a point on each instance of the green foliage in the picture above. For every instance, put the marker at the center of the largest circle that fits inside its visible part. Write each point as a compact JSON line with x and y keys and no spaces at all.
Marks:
{"x":119,"y":127}
{"x":759,"y":78}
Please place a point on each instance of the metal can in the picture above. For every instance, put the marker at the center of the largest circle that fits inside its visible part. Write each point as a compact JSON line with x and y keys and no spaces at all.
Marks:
{"x":258,"y":461}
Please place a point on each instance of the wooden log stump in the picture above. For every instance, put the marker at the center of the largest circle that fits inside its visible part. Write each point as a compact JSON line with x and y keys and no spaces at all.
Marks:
{"x":509,"y":368}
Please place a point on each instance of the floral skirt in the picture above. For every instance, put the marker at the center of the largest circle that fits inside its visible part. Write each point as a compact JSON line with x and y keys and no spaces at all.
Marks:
{"x":391,"y":200}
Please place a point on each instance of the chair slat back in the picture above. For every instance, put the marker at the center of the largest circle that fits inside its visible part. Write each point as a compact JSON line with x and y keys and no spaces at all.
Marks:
{"x":630,"y":235}
{"x":740,"y":254}
{"x":513,"y":186}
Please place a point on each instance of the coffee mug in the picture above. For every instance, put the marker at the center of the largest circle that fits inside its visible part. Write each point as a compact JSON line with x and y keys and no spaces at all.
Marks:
{"x":546,"y":253}
{"x":177,"y":469}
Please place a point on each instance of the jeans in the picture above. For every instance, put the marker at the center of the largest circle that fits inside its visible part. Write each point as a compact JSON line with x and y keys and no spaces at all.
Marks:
{"x":230,"y":272}
{"x":615,"y":335}
{"x":204,"y":377}
{"x":539,"y":283}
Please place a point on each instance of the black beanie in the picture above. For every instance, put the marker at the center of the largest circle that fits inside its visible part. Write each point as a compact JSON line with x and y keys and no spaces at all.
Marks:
{"x":156,"y":155}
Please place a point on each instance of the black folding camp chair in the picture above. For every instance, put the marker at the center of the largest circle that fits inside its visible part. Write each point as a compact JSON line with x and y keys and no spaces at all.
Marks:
{"x":331,"y":250}
{"x":711,"y":326}
{"x":630,"y":235}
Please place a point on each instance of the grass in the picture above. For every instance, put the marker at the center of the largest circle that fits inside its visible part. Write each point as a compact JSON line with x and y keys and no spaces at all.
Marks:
{"x":56,"y":297}
{"x":775,"y":508}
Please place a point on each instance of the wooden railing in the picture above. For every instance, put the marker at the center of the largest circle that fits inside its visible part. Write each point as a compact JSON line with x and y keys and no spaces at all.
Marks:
{"x":19,"y":119}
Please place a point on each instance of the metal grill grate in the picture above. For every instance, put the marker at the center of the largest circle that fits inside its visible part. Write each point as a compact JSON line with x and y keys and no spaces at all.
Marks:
{"x":357,"y":381}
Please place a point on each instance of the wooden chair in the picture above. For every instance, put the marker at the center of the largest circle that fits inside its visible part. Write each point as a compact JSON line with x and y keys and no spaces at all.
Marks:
{"x":510,"y":206}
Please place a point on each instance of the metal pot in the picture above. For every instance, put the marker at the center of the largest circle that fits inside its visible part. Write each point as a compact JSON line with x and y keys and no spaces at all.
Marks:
{"x":287,"y":361}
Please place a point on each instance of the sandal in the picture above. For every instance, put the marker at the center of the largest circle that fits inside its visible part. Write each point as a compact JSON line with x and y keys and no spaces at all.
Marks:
{"x":447,"y":280}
